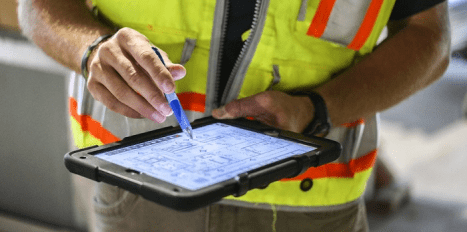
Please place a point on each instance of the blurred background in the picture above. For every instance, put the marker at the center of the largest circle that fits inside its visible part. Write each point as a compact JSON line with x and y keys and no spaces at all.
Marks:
{"x":423,"y":140}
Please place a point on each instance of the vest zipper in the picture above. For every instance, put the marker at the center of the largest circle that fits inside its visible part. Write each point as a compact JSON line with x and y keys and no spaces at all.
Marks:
{"x":219,"y":28}
{"x":235,"y":80}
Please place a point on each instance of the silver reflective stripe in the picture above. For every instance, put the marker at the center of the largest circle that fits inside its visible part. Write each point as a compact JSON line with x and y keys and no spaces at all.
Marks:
{"x":188,"y":49}
{"x":352,"y":142}
{"x":213,"y":66}
{"x":370,"y":138}
{"x":345,"y":20}
{"x":302,"y":13}
{"x":356,"y":141}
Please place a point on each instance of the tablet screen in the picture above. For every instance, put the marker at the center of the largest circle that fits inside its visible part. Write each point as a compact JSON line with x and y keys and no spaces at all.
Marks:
{"x":217,"y":153}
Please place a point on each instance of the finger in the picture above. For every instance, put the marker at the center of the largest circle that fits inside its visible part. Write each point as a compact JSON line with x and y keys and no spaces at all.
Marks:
{"x":177,"y":70}
{"x":245,"y":107}
{"x":102,"y":94}
{"x":140,"y":49}
{"x":138,"y":80}
{"x":221,"y":113}
{"x":123,"y":93}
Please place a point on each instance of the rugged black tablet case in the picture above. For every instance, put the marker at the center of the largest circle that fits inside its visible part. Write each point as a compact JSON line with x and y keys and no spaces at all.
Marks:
{"x":82,"y":162}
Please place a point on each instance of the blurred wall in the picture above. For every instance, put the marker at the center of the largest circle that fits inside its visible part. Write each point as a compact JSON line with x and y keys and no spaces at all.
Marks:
{"x":34,"y":183}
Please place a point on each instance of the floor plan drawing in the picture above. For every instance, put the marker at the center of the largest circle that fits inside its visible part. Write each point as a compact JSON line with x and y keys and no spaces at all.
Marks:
{"x":218,"y":152}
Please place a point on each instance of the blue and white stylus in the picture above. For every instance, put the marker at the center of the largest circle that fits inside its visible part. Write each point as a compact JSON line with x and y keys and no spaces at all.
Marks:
{"x":175,"y":105}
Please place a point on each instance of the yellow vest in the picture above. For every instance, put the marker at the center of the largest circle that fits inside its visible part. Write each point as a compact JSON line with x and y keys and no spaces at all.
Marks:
{"x":293,"y":45}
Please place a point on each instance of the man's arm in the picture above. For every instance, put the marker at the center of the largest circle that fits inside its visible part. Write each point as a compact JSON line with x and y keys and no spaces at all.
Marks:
{"x":124,"y":72}
{"x":416,"y":54}
{"x":62,"y":29}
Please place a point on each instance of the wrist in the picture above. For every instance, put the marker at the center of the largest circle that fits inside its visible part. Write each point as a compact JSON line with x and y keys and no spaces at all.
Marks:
{"x":89,"y":54}
{"x":306,"y":112}
{"x":320,"y":123}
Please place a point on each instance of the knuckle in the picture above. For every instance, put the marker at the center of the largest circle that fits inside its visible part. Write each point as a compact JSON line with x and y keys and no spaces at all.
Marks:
{"x":159,"y":72}
{"x":104,"y":49}
{"x":120,"y":93}
{"x":123,"y":32}
{"x":103,"y":45}
{"x":132,"y":75}
{"x":93,"y":66}
{"x":130,"y":36}
{"x":92,"y":88}
{"x":112,"y":105}
{"x":156,"y":98}
{"x":264,"y":100}
{"x":280,"y":118}
{"x":123,"y":35}
{"x":146,"y":55}
{"x":91,"y":84}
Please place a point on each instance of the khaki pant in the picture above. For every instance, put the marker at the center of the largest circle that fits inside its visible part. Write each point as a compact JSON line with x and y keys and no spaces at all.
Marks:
{"x":108,"y":208}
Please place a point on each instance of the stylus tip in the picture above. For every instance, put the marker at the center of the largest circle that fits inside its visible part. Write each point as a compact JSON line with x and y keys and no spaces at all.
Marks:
{"x":189,"y":132}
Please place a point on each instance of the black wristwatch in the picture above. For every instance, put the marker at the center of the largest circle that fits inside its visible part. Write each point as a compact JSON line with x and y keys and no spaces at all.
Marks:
{"x":321,"y":123}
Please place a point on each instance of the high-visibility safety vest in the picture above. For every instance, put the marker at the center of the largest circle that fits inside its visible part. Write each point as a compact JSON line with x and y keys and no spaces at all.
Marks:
{"x":292,"y":45}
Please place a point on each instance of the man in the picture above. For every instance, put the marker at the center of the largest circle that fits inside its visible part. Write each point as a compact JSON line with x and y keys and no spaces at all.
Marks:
{"x":292,"y":63}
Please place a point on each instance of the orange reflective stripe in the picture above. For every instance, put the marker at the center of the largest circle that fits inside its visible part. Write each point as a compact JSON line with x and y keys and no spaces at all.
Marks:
{"x":367,"y":25}
{"x":354,"y":124}
{"x":339,"y":170}
{"x":192,"y":101}
{"x":320,"y":20}
{"x":89,"y":124}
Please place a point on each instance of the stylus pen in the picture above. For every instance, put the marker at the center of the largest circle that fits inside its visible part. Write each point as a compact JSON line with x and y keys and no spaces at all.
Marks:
{"x":175,"y":105}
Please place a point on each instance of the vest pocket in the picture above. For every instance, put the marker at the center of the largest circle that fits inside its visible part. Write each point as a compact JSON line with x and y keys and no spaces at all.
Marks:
{"x":340,"y":22}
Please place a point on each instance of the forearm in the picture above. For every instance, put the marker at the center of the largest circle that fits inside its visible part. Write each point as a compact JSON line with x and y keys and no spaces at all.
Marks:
{"x":407,"y":62}
{"x":61,"y":28}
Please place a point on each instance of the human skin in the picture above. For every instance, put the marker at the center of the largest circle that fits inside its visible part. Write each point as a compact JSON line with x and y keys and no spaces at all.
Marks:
{"x":127,"y":77}
{"x":415,"y":54}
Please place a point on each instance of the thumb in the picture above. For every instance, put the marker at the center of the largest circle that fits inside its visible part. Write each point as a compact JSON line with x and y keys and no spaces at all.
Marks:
{"x":221,"y":113}
{"x":244,"y":107}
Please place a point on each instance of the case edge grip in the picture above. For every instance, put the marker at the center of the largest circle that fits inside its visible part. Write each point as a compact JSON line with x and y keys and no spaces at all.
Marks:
{"x":243,"y":182}
{"x":84,"y":169}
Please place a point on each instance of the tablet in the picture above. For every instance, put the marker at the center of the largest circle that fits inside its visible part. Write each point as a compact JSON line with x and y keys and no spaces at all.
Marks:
{"x":225,"y":157}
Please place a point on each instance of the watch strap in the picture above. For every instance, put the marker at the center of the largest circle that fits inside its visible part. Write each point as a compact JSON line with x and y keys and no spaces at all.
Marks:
{"x":87,"y":53}
{"x":320,"y":125}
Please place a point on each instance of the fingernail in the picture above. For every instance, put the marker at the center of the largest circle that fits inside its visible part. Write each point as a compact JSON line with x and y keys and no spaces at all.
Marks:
{"x":168,"y":87}
{"x":157,"y":117}
{"x":178,"y":73}
{"x":166,"y":110}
